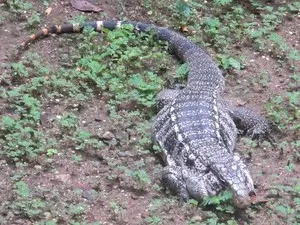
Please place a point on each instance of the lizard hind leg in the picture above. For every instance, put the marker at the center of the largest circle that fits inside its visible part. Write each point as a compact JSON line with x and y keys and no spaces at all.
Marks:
{"x":203,"y":185}
{"x":187,"y":184}
{"x":251,"y":124}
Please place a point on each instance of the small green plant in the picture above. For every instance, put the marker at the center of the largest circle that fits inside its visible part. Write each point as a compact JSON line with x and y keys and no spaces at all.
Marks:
{"x":29,"y":208}
{"x":264,"y":79}
{"x":68,"y":122}
{"x":184,"y":10}
{"x":222,"y":202}
{"x":142,"y":130}
{"x":294,"y":55}
{"x":24,"y":203}
{"x":33,"y":20}
{"x":78,"y":20}
{"x":18,"y":70}
{"x":117,"y":210}
{"x":156,"y":204}
{"x":288,"y":210}
{"x":211,"y":26}
{"x":2,"y":18}
{"x":51,"y":222}
{"x":20,"y":141}
{"x":21,"y":189}
{"x":76,"y":158}
{"x":222,"y":2}
{"x":51,"y":152}
{"x":123,"y":78}
{"x":290,"y":167}
{"x":139,"y":176}
{"x":212,"y":219}
{"x":85,"y":141}
{"x":284,"y":209}
{"x":278,"y":41}
{"x":227,"y":62}
{"x":76,"y":209}
{"x":17,"y":6}
{"x":153,"y":220}
{"x":181,"y":72}
{"x":284,"y":111}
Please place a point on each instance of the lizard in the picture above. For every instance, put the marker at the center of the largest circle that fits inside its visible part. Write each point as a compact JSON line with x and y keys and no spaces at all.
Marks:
{"x":195,"y":126}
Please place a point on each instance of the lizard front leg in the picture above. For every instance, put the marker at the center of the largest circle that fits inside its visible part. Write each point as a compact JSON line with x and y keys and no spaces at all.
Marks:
{"x":251,"y":124}
{"x":166,"y":96}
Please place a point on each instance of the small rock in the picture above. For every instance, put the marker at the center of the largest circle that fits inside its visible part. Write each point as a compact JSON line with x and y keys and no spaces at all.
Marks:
{"x":87,"y":194}
{"x":63,"y":177}
{"x":38,"y":167}
{"x":108,"y":135}
{"x":241,"y":103}
{"x":197,"y":218}
{"x":47,"y":215}
{"x":125,"y":154}
{"x":135,"y":197}
{"x":102,"y":170}
{"x":256,"y":88}
{"x":3,"y":162}
{"x":20,"y":221}
{"x":46,"y":119}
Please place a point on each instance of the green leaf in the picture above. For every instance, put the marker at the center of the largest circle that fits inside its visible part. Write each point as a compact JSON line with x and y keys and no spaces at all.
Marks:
{"x":21,"y":188}
{"x":18,"y":69}
{"x":297,"y":201}
{"x":8,"y":121}
{"x":222,"y":2}
{"x":182,"y":71}
{"x":234,"y":63}
{"x":284,"y":209}
{"x":294,"y":55}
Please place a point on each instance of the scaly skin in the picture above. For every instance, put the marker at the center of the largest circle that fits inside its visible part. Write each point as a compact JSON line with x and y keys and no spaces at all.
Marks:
{"x":195,"y":128}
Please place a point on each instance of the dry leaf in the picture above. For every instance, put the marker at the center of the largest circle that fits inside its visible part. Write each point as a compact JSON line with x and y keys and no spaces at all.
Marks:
{"x":48,"y":11}
{"x":85,"y":6}
{"x":184,"y":29}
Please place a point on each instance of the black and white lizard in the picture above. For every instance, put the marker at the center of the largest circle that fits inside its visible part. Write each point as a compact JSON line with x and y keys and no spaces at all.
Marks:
{"x":195,"y":127}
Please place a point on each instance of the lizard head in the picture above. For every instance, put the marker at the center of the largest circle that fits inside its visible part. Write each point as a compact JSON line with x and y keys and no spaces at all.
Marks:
{"x":232,"y":171}
{"x":242,"y":201}
{"x":243,"y":190}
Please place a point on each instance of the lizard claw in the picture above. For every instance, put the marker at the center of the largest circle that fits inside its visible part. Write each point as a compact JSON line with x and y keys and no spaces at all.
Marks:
{"x":261,"y":133}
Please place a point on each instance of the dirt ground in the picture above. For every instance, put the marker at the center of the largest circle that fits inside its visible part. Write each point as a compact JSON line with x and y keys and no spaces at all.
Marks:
{"x":106,"y":195}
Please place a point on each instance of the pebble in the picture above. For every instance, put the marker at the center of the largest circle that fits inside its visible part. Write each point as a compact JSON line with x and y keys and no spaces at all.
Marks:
{"x":197,"y":218}
{"x":108,"y":135}
{"x":125,"y":154}
{"x":47,"y":215}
